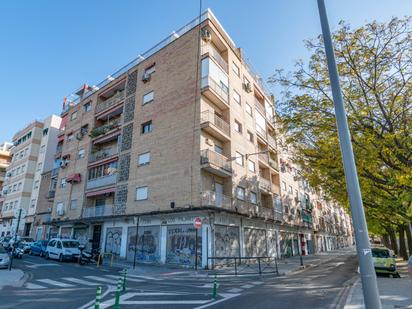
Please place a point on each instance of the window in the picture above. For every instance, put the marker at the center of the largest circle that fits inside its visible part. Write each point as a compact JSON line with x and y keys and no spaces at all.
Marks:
{"x":148,"y":97}
{"x":290,"y":190}
{"x":36,"y":184}
{"x":147,"y":127}
{"x":238,"y":126}
{"x":240,"y":193}
{"x":63,"y":183}
{"x":59,"y":245}
{"x":236,"y":69}
{"x":81,"y":153}
{"x":218,"y":149}
{"x":14,"y":187}
{"x":19,"y":186}
{"x":45,"y":131}
{"x":143,"y":159}
{"x":250,"y":136}
{"x":103,"y":170}
{"x":70,"y":137}
{"x":141,"y":193}
{"x":33,"y":203}
{"x":284,"y":185}
{"x":248,"y":109}
{"x":150,"y":70}
{"x":39,"y":165}
{"x":42,"y":148}
{"x":84,"y":129}
{"x":73,"y":116}
{"x":253,"y":197}
{"x":251,"y":166}
{"x":239,"y":158}
{"x":73,"y":204}
{"x":87,"y":107}
{"x":236,"y":97}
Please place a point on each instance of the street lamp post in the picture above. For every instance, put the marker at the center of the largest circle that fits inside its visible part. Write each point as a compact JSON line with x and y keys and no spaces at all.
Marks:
{"x":367,"y":271}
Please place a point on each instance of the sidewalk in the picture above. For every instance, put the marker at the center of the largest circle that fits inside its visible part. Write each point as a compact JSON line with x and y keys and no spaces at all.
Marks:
{"x":285,"y":266}
{"x":12,"y":277}
{"x":394,"y":292}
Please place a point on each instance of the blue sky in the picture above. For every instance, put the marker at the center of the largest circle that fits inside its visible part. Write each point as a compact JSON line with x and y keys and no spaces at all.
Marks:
{"x":50,"y":48}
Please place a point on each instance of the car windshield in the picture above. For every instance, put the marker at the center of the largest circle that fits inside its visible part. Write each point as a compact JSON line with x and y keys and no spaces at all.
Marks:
{"x":27,"y":239}
{"x":70,"y":244}
{"x":380,"y":253}
{"x":2,"y":250}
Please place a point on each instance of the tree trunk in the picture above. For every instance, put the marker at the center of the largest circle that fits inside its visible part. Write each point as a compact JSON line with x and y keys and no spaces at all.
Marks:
{"x":402,"y":244}
{"x":409,"y":238}
{"x":386,"y":241}
{"x":392,"y":237}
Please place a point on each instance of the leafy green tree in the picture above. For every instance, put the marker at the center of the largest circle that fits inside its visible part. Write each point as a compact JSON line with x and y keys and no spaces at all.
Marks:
{"x":375,"y":67}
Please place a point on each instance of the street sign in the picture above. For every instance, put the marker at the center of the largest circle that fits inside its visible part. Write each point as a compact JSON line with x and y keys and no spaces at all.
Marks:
{"x":197,"y":223}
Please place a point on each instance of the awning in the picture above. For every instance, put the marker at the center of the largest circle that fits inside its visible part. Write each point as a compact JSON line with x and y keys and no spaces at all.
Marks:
{"x":100,"y":192}
{"x":74,"y":177}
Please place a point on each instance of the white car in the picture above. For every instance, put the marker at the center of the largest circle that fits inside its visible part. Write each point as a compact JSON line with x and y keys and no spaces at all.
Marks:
{"x":62,"y":249}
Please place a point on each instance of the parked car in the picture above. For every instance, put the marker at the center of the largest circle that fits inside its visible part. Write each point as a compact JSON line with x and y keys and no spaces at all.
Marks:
{"x":38,"y":248}
{"x":63,"y":249}
{"x":6,"y":242}
{"x":4,"y":258}
{"x":26,"y":243}
{"x":384,"y":261}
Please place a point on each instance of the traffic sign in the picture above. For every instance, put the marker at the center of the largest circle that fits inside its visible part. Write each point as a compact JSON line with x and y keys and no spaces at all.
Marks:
{"x":197,"y":223}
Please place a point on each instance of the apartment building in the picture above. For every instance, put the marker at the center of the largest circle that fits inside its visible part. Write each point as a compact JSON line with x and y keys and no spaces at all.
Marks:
{"x":32,"y":154}
{"x":186,"y":131}
{"x":5,"y":159}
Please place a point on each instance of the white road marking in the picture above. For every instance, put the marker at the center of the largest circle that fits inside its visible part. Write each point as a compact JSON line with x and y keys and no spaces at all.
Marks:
{"x":144,"y":277}
{"x":235,"y":290}
{"x":56,"y":283}
{"x":112,"y":281}
{"x":206,"y":285}
{"x":80,"y":281}
{"x":127,"y":278}
{"x":43,"y":265}
{"x":247,"y":286}
{"x":256,"y":282}
{"x":225,"y":296}
{"x":33,"y":286}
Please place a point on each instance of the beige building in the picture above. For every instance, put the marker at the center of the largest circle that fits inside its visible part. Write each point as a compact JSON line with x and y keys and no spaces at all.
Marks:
{"x":5,"y":159}
{"x":184,"y":131}
{"x":32,"y":154}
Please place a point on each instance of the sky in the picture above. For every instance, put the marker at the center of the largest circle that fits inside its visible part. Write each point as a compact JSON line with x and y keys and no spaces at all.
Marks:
{"x":50,"y":48}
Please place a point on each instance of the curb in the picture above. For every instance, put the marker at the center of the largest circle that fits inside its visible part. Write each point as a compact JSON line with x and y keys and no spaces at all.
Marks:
{"x":18,"y":282}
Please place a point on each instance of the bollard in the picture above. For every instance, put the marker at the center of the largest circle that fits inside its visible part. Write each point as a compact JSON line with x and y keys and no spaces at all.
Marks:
{"x":124,"y":279}
{"x":117,"y":296}
{"x":98,"y":297}
{"x":214,"y":293}
{"x":98,"y":260}
{"x":111,"y":261}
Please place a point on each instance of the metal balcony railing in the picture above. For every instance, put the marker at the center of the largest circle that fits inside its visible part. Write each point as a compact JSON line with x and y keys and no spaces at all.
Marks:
{"x":101,"y":181}
{"x":208,"y":156}
{"x":103,"y":154}
{"x":98,"y":211}
{"x":211,"y":198}
{"x":265,"y":184}
{"x":209,"y":116}
{"x":215,"y":55}
{"x":101,"y":106}
{"x":221,"y":89}
{"x":104,"y":128}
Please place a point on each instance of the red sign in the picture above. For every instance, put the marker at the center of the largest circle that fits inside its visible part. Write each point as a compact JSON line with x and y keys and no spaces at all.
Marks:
{"x":197,"y":223}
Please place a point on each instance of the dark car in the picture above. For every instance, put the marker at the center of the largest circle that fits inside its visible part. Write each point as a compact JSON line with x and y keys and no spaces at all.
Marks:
{"x":38,"y":247}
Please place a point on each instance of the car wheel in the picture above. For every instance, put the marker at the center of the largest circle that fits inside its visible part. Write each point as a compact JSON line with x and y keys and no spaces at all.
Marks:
{"x":47,"y":256}
{"x":60,"y":258}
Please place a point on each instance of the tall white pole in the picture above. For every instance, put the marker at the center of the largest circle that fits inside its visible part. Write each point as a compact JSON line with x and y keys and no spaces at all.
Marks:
{"x":367,"y":270}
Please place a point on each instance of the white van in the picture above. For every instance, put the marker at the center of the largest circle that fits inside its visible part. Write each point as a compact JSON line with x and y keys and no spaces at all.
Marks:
{"x":62,"y":249}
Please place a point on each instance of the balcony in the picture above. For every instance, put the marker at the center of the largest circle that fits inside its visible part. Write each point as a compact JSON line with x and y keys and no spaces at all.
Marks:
{"x":265,"y":185}
{"x":261,"y":132}
{"x":103,"y":154}
{"x":263,"y":157}
{"x":275,"y":188}
{"x":101,"y":181}
{"x":214,"y":125}
{"x":213,"y":53}
{"x":215,"y":163}
{"x":98,"y":211}
{"x":210,"y":198}
{"x":106,"y":132}
{"x":269,"y":118}
{"x":112,"y":101}
{"x":54,"y":172}
{"x":217,"y":93}
{"x":271,"y":142}
{"x":51,"y":194}
{"x":266,"y":212}
{"x":274,"y":164}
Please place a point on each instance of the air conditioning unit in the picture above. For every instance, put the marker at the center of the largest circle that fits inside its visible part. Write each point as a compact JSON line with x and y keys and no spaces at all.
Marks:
{"x":206,"y":35}
{"x":247,"y":87}
{"x":146,"y":77}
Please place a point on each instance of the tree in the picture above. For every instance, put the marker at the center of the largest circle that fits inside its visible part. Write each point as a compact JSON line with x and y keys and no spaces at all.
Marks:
{"x":375,"y":67}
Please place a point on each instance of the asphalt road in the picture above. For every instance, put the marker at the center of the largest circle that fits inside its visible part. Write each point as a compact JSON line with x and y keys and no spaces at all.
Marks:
{"x":67,"y":285}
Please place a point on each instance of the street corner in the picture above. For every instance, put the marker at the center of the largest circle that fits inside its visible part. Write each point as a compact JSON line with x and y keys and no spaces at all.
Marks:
{"x":14,"y":277}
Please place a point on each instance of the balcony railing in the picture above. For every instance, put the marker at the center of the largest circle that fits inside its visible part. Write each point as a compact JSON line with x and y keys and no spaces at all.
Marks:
{"x":274,"y":164}
{"x":104,"y":128}
{"x":101,"y":106}
{"x":210,"y":157}
{"x":215,"y":55}
{"x":260,"y":131}
{"x":98,"y":211}
{"x":266,"y":212}
{"x":54,"y":172}
{"x":265,"y":184}
{"x":103,"y":154}
{"x":271,"y":141}
{"x":210,"y":198}
{"x":209,"y":116}
{"x":221,"y":89}
{"x":264,"y":157}
{"x":51,"y":194}
{"x":101,"y":181}
{"x":263,"y":111}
